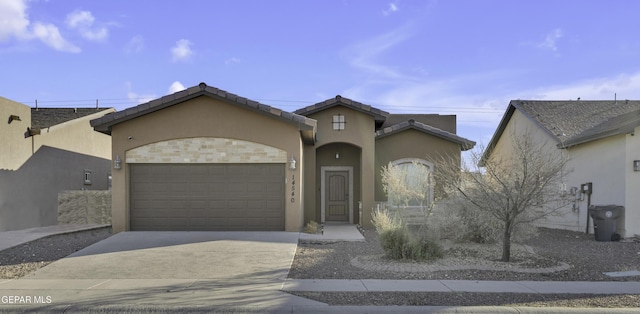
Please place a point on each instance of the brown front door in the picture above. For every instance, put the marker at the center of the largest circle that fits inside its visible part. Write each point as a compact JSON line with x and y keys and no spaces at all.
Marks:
{"x":337,"y":196}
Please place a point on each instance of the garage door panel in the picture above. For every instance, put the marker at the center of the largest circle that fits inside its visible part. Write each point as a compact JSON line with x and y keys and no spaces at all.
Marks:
{"x":274,"y":204}
{"x":237,"y":170}
{"x":207,"y":196}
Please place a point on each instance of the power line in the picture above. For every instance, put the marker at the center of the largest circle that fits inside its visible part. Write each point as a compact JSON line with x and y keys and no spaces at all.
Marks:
{"x":135,"y":101}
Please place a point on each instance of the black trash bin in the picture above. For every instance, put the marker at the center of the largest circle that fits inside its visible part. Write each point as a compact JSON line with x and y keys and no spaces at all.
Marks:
{"x":605,"y":221}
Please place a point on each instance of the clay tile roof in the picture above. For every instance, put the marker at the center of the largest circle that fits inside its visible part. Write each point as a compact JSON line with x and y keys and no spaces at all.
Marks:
{"x":464,"y":143}
{"x":306,"y":126}
{"x":379,"y":115}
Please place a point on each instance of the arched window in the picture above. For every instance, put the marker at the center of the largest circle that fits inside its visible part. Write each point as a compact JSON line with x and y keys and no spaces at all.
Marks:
{"x":412,"y":183}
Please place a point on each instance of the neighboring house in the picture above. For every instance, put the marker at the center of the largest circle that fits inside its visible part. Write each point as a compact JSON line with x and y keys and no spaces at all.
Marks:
{"x":45,"y":151}
{"x":206,"y":159}
{"x":600,"y":139}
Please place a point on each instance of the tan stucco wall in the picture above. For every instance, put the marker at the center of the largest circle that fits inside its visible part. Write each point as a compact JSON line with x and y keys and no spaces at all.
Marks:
{"x":410,"y":144}
{"x":359,"y":132}
{"x":77,"y":136}
{"x":15,"y":148}
{"x":205,"y":117}
{"x":601,"y":162}
{"x":607,"y":163}
{"x":632,"y":197}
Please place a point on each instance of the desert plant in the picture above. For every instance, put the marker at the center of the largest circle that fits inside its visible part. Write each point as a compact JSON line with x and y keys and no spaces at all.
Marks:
{"x":399,"y":242}
{"x":311,"y":227}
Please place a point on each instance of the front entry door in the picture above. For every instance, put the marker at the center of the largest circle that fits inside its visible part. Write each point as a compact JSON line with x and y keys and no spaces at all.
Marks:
{"x":337,"y":196}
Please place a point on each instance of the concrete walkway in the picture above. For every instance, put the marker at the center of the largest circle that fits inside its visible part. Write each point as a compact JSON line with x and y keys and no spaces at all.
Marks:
{"x":334,"y":233}
{"x":9,"y":239}
{"x":539,"y":287}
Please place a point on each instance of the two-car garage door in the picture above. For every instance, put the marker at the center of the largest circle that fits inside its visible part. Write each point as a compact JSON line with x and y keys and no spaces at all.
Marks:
{"x":211,"y":197}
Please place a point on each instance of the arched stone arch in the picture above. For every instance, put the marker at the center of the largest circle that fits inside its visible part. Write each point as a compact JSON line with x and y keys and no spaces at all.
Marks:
{"x":206,"y":150}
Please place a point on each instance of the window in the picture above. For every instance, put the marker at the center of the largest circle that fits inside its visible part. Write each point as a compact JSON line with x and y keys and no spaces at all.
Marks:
{"x":87,"y":177}
{"x":415,"y":183}
{"x":338,"y":122}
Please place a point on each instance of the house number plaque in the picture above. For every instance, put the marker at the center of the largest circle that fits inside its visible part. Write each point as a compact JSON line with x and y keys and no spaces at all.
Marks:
{"x":293,"y":188}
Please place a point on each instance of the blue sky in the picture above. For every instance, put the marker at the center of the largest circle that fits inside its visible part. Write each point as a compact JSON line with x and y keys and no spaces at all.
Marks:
{"x":467,"y":58}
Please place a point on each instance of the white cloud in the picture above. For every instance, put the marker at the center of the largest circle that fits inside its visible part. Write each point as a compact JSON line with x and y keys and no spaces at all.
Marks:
{"x":551,"y":40}
{"x":83,"y":21}
{"x":365,"y":54}
{"x":176,"y":87}
{"x":181,"y":51}
{"x":393,"y":7}
{"x":50,"y":35}
{"x":625,"y":86}
{"x":139,"y":98}
{"x":14,"y":23}
{"x":232,"y":60}
{"x":135,"y":45}
{"x":13,"y":19}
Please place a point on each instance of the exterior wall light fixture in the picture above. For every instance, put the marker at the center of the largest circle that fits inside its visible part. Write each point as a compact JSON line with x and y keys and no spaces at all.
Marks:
{"x":636,"y":165}
{"x":292,"y":163}
{"x":117,"y":163}
{"x":13,"y":117}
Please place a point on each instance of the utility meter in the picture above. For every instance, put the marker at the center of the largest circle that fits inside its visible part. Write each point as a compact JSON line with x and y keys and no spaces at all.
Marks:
{"x":608,"y":214}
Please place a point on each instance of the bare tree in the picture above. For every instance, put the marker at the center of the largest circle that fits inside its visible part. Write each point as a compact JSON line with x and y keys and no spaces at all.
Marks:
{"x":520,"y":185}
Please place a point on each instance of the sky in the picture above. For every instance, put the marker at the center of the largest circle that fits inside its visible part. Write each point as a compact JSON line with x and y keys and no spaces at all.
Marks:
{"x":462,"y":57}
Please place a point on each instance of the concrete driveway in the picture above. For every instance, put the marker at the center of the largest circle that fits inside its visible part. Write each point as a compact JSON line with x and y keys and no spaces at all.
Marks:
{"x":168,"y":269}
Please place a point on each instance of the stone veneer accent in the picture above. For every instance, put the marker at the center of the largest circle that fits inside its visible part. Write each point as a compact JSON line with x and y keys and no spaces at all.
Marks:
{"x":205,"y":150}
{"x":84,"y":207}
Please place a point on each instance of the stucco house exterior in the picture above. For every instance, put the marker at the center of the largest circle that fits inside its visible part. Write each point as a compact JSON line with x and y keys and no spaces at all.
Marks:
{"x":207,"y":159}
{"x":599,"y":138}
{"x":46,"y":151}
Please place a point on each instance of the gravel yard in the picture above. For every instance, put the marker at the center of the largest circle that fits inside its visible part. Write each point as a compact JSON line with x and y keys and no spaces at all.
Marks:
{"x":585,"y":258}
{"x":575,"y":256}
{"x":23,"y":259}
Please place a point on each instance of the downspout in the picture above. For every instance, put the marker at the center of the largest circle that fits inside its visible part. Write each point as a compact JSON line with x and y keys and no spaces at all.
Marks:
{"x":587,"y":188}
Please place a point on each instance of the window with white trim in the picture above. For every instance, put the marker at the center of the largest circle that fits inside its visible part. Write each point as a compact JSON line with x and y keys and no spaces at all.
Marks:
{"x":338,"y":122}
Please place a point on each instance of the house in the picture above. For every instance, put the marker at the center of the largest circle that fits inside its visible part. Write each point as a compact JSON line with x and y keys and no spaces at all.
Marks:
{"x":206,"y":159}
{"x":46,"y":151}
{"x":599,"y":139}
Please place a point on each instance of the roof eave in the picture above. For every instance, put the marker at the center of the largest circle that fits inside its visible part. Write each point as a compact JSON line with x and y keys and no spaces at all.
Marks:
{"x":306,"y":126}
{"x":508,"y":113}
{"x":377,"y":114}
{"x":464,"y":143}
{"x":627,"y":129}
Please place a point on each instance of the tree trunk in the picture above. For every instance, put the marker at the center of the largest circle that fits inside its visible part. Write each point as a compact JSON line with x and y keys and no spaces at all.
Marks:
{"x":506,"y":245}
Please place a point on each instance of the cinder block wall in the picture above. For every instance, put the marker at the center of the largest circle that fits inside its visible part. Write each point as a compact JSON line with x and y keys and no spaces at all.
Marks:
{"x":84,"y":207}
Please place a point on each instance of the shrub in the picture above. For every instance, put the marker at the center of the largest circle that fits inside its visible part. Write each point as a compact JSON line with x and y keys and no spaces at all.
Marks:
{"x":462,"y":221}
{"x":399,"y":242}
{"x":311,"y":227}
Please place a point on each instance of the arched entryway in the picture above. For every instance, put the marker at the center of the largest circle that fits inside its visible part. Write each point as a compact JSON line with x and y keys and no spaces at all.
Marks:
{"x":338,"y":173}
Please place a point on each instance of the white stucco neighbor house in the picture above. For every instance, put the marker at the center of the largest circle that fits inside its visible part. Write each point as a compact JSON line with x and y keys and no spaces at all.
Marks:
{"x":602,"y":140}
